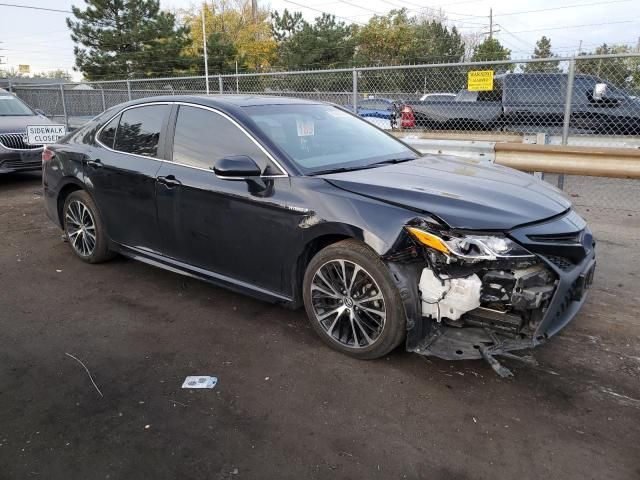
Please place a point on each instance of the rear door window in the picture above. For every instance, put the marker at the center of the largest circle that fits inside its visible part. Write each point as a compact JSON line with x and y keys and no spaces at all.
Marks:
{"x":108,"y":134}
{"x":537,"y":89}
{"x":140,"y":128}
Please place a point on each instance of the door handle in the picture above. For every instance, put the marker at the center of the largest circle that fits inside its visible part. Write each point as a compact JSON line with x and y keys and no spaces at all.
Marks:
{"x":170,"y":181}
{"x":95,"y":163}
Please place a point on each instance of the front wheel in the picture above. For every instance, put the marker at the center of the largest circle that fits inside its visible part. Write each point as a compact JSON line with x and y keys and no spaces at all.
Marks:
{"x":352,"y":301}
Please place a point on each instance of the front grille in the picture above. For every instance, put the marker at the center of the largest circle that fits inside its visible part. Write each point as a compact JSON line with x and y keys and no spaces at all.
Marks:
{"x":561,"y":262}
{"x":561,"y":238}
{"x":15,"y":141}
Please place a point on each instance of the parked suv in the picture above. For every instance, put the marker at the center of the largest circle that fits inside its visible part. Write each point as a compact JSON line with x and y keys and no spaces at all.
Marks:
{"x":534,"y":102}
{"x":15,"y":153}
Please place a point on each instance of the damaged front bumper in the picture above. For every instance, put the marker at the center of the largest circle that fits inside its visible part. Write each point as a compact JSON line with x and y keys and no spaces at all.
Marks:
{"x":510,"y":314}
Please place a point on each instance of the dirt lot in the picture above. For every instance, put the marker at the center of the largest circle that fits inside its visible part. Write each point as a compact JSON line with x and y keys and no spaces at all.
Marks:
{"x":285,"y":405}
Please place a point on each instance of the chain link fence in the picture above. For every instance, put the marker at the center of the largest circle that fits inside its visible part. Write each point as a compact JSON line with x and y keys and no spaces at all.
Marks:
{"x":585,"y":100}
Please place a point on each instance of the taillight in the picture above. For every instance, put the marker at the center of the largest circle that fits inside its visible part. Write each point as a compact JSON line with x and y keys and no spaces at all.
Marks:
{"x":47,"y":154}
{"x":407,"y":118}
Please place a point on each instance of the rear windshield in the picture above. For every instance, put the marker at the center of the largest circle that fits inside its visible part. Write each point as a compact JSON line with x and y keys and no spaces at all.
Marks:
{"x":323,"y":137}
{"x":11,"y":106}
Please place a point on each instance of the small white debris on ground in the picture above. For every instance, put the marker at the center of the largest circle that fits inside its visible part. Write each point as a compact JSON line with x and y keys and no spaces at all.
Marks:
{"x":200,"y":381}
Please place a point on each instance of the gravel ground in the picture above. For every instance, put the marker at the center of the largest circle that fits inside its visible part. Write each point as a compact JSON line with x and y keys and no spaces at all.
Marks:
{"x":285,"y":405}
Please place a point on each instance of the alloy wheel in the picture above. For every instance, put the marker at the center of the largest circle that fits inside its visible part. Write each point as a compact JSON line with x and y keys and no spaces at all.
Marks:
{"x":81,"y":228}
{"x":348,"y":303}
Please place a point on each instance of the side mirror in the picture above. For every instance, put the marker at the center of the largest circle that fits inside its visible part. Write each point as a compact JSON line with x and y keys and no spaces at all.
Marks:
{"x":238,"y":167}
{"x":40,"y":112}
{"x":599,"y":91}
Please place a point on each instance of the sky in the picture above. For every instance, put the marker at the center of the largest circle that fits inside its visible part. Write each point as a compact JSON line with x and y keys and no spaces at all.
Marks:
{"x":41,"y":39}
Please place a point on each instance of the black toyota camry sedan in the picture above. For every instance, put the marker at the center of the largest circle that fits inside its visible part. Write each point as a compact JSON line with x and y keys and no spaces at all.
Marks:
{"x":303,"y":203}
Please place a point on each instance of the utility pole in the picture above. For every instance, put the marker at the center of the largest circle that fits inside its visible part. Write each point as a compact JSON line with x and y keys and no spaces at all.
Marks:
{"x":490,"y":23}
{"x":1,"y":56}
{"x":254,"y":10}
{"x":580,"y":47}
{"x":204,"y":46}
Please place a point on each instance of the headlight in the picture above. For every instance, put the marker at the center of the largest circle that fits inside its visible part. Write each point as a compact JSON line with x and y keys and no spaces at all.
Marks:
{"x":470,"y":247}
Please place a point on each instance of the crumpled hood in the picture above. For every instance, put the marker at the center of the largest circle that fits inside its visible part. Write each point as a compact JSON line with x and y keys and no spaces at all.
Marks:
{"x":465,"y":194}
{"x":18,"y":123}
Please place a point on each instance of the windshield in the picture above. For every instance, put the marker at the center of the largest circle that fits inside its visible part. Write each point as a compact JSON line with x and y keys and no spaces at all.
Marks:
{"x":10,"y":105}
{"x":320,"y":138}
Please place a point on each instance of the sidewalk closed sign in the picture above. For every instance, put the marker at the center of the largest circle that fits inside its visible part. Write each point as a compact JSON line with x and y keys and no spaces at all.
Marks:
{"x":480,"y":80}
{"x":43,"y":134}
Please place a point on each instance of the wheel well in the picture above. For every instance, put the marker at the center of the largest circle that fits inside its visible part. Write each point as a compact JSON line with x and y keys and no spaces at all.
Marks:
{"x":62,"y":197}
{"x":310,"y":250}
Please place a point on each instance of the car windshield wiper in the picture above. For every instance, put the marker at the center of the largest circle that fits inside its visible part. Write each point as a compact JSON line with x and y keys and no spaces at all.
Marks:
{"x":343,"y":169}
{"x":363,"y":167}
{"x":394,"y":160}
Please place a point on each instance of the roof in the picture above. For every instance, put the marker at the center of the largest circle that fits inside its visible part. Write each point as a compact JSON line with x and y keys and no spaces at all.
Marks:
{"x":228,"y":100}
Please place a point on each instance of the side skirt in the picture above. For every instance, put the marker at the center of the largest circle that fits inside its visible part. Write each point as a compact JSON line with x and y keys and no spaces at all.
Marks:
{"x":208,"y":276}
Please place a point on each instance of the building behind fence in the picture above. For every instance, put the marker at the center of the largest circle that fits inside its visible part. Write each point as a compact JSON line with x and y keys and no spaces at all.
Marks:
{"x":557,"y":94}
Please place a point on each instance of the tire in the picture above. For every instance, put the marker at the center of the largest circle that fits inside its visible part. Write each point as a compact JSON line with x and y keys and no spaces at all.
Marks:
{"x":369,"y":320}
{"x":81,"y":218}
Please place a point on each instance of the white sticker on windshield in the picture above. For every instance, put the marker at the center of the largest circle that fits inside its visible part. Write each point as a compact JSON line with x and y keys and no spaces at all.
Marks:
{"x":305,"y":128}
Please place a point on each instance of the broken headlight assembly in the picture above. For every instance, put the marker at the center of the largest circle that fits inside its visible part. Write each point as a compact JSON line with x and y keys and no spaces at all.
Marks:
{"x":470,"y":247}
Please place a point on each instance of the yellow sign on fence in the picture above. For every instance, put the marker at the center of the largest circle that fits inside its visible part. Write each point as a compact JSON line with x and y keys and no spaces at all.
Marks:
{"x":480,"y":80}
{"x":24,"y":68}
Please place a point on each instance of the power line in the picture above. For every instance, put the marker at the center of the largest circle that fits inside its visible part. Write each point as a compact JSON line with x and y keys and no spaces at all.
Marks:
{"x":523,"y":42}
{"x":562,"y":7}
{"x":576,"y":26}
{"x":321,"y":11}
{"x":30,"y":7}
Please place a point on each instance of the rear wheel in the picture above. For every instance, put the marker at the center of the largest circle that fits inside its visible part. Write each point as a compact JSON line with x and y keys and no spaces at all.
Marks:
{"x":352,"y":301}
{"x":83,"y":228}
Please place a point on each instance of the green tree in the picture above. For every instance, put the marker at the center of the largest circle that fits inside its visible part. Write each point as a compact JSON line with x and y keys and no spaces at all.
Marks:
{"x":432,"y":42}
{"x":621,"y":72}
{"x":221,"y":53}
{"x":385,"y":39}
{"x":234,"y":21}
{"x":542,"y":50}
{"x":397,"y":38}
{"x":490,"y":49}
{"x":326,"y":43}
{"x":127,"y":38}
{"x":286,"y":25}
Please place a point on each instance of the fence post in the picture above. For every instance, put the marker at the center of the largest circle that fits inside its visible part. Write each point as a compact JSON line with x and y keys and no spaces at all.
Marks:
{"x":220,"y":87}
{"x":355,"y":90}
{"x":10,"y":86}
{"x":567,"y":111}
{"x":64,"y":106}
{"x":129,"y":89}
{"x":104,"y":101}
